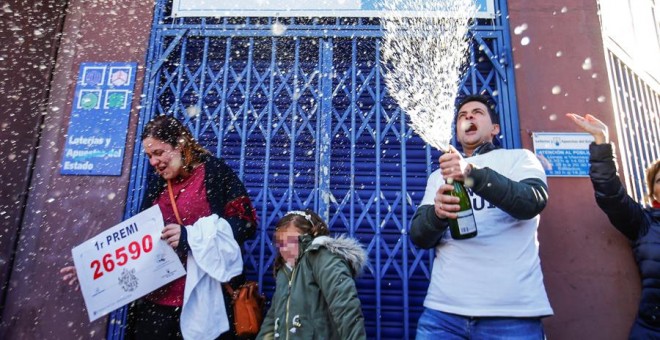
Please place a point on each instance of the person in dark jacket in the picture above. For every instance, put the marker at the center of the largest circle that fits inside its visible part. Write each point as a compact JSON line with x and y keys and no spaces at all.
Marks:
{"x":638,"y":223}
{"x":489,"y":286}
{"x":202,"y":185}
{"x":315,"y":295}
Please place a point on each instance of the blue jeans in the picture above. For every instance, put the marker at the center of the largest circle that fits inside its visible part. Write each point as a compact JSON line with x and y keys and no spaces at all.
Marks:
{"x":435,"y":324}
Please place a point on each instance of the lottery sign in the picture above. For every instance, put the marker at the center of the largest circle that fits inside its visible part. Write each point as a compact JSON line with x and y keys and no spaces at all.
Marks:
{"x":125,"y":263}
{"x":96,"y":137}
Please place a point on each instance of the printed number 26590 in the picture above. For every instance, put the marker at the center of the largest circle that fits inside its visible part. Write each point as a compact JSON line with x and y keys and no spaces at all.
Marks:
{"x":135,"y":249}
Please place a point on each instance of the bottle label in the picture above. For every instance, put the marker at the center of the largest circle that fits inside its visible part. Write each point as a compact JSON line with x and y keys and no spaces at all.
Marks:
{"x":466,"y":223}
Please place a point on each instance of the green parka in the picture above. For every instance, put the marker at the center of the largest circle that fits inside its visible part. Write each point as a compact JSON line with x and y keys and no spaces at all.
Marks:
{"x":318,"y":298}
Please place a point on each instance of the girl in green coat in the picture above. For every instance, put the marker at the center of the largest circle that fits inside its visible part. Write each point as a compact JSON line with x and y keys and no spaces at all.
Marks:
{"x":315,"y":295}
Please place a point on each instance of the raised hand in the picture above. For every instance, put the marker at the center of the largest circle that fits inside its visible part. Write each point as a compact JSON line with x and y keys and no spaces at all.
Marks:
{"x":592,"y":125}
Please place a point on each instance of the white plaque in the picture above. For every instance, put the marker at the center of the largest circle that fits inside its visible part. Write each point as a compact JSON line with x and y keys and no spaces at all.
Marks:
{"x":563,"y":154}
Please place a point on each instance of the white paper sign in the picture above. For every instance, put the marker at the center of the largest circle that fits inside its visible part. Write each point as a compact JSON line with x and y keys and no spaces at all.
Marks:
{"x":296,"y":8}
{"x":125,"y":263}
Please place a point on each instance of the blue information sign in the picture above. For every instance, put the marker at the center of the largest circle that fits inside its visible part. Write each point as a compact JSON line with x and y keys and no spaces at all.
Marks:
{"x":563,"y":154}
{"x":96,"y":138}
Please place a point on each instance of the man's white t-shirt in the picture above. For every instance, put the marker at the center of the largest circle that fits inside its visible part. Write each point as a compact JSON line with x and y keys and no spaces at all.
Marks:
{"x":498,"y":272}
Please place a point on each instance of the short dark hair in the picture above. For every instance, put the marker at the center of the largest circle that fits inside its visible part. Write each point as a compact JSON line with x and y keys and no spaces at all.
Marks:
{"x":487,"y":101}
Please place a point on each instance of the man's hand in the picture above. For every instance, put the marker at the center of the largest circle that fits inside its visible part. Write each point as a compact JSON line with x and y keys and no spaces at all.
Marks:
{"x":454,"y":166}
{"x":445,"y":205}
{"x":171,"y":234}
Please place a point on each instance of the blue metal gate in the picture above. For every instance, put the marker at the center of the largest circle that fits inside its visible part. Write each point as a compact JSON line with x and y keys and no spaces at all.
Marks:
{"x":305,"y":120}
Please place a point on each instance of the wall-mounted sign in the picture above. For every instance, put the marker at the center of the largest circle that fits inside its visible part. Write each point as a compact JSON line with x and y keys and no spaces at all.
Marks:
{"x":563,"y":154}
{"x":297,"y":8}
{"x":100,"y":112}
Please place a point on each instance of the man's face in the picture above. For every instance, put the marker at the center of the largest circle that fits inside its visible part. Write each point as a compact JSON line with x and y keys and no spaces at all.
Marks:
{"x":474,"y":126}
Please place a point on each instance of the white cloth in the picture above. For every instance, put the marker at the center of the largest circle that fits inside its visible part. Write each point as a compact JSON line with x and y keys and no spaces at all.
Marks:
{"x":497,"y":273}
{"x":214,"y":258}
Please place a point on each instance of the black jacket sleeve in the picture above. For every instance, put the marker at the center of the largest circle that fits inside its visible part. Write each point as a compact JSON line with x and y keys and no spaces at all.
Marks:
{"x":426,"y":228}
{"x":522,"y":200}
{"x":229,"y":199}
{"x":623,"y":212}
{"x":183,"y":246}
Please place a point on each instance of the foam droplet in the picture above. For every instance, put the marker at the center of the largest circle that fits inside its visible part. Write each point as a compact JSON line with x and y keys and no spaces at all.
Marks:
{"x":193,"y":111}
{"x":556,"y":89}
{"x":278,"y":28}
{"x":519,"y":29}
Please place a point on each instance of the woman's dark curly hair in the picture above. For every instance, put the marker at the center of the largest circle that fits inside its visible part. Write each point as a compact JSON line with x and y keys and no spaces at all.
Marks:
{"x":171,"y":131}
{"x":316,"y":227}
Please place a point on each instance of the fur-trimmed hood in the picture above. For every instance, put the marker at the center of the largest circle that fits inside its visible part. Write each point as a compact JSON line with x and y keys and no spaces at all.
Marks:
{"x":346,"y":247}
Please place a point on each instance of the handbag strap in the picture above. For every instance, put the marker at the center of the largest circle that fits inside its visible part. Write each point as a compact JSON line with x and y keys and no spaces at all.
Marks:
{"x":234,"y":293}
{"x":230,"y":291}
{"x":176,"y":211}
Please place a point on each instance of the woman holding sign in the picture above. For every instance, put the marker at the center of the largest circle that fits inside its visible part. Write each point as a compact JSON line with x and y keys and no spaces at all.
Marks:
{"x":191,"y":185}
{"x":638,"y":223}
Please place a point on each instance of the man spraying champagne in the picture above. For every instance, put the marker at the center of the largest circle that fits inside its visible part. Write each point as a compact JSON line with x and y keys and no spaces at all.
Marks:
{"x":490,"y":285}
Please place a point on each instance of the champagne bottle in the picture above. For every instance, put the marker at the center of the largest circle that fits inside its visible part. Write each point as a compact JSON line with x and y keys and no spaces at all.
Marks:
{"x":464,"y":226}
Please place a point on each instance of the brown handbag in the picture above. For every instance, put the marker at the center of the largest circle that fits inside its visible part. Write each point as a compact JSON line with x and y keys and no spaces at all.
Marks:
{"x":248,"y":308}
{"x":247,"y":302}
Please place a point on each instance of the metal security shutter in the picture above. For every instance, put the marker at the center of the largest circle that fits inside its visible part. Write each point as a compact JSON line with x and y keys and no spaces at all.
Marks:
{"x":638,"y":123}
{"x":305,"y":120}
